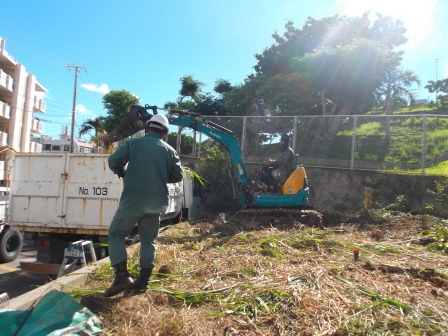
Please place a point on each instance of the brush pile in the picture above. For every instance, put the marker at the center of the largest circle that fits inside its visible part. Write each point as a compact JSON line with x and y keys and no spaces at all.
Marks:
{"x":244,"y":278}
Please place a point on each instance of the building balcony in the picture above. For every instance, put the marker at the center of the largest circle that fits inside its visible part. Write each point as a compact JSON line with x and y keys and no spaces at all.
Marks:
{"x":3,"y":139}
{"x":6,"y":81}
{"x":2,"y":170}
{"x":39,"y":105}
{"x":34,"y":147}
{"x":37,"y":126}
{"x":5,"y":110}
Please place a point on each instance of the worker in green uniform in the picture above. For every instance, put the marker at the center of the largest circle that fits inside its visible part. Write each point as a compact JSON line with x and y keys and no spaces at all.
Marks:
{"x":151,"y":164}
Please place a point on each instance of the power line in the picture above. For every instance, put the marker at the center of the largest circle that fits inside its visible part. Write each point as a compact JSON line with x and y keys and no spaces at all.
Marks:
{"x":90,"y":94}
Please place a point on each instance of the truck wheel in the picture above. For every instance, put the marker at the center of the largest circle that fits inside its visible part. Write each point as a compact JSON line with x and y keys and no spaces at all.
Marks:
{"x":11,"y":242}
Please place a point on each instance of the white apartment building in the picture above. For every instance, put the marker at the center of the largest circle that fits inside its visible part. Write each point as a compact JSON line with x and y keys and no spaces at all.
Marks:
{"x":63,"y":144}
{"x":20,"y":96}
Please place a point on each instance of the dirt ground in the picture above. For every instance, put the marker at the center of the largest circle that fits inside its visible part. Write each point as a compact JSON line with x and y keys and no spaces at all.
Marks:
{"x":246,"y":278}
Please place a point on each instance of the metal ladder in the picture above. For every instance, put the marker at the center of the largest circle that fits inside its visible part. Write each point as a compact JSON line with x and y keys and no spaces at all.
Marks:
{"x":76,"y":252}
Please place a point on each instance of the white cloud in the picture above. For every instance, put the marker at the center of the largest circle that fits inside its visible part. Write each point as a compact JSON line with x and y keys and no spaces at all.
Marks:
{"x":102,"y":88}
{"x":85,"y":112}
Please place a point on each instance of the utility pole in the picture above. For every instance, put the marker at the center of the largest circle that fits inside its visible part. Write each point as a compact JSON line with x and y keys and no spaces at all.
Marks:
{"x":74,"y":102}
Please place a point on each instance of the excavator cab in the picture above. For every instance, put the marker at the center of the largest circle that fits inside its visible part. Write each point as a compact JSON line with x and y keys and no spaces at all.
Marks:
{"x":291,"y":189}
{"x":291,"y":180}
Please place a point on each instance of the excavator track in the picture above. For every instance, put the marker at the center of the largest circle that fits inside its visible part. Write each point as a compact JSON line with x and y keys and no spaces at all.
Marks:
{"x":303,"y":215}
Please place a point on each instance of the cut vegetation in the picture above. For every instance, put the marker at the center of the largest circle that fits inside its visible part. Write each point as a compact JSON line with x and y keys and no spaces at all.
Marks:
{"x":247,"y":279}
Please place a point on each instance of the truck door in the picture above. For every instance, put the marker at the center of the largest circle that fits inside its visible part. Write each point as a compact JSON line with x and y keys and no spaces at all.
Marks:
{"x":37,"y":190}
{"x":193,"y":195}
{"x":92,"y":193}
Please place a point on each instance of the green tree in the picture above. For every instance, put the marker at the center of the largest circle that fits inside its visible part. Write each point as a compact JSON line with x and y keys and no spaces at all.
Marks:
{"x":215,"y":170}
{"x":397,"y":85}
{"x":97,"y":125}
{"x":441,"y":87}
{"x":88,"y":125}
{"x":222,"y":86}
{"x":335,"y":62}
{"x":186,"y":143}
{"x":116,"y":103}
{"x":200,"y":102}
{"x":190,"y":87}
{"x":326,"y":33}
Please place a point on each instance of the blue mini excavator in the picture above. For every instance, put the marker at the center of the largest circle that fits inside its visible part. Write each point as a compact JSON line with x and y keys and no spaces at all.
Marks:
{"x":291,"y":199}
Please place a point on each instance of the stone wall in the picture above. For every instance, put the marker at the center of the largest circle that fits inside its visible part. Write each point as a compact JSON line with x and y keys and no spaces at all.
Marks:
{"x":344,"y":190}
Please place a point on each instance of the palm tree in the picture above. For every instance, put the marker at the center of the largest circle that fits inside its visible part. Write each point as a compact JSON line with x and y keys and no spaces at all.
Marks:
{"x":189,"y":88}
{"x":397,"y":85}
{"x":97,"y":125}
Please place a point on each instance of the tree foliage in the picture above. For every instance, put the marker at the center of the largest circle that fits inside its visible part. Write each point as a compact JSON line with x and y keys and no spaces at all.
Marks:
{"x":116,"y":104}
{"x":190,"y":87}
{"x":186,"y":144}
{"x":215,"y":170}
{"x":441,"y":87}
{"x":397,"y":85}
{"x":96,"y":125}
{"x":336,"y":61}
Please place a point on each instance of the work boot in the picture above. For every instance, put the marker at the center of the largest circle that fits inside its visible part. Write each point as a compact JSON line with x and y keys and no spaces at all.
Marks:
{"x":142,"y":282}
{"x":122,"y":282}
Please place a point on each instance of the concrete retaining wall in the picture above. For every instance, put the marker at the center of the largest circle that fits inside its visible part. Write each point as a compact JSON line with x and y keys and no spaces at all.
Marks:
{"x":344,"y":190}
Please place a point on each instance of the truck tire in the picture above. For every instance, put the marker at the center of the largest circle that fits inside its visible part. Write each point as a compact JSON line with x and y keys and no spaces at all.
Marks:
{"x":11,"y":242}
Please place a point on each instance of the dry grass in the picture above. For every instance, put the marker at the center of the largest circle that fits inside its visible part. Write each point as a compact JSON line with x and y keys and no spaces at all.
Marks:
{"x":246,"y":279}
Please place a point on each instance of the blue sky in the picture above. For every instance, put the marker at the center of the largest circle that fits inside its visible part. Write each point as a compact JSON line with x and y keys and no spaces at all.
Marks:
{"x":145,"y":47}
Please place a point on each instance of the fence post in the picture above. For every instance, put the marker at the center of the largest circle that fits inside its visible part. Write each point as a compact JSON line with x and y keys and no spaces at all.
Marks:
{"x":199,"y":145}
{"x":243,"y":137}
{"x":352,"y":161}
{"x":424,"y":143}
{"x":294,"y":132}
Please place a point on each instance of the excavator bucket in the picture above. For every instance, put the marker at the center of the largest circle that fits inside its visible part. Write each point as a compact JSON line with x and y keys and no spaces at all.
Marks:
{"x":138,"y":116}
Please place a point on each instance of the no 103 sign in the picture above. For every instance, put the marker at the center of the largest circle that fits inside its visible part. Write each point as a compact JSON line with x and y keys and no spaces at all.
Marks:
{"x":94,"y":191}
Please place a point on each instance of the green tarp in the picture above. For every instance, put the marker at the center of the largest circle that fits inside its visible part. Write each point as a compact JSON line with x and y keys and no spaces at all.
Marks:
{"x":56,"y":314}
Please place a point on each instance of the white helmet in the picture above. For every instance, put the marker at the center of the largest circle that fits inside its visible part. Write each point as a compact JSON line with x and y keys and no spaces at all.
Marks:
{"x":158,"y":121}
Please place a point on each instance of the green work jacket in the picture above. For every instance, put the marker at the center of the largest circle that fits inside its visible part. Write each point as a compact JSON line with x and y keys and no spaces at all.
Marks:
{"x":151,"y":164}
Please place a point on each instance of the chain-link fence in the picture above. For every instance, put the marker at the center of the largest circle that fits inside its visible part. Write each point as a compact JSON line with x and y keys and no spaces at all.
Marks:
{"x":409,"y":144}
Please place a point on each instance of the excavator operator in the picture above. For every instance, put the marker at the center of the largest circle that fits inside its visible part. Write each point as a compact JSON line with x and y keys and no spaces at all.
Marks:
{"x":283,"y":162}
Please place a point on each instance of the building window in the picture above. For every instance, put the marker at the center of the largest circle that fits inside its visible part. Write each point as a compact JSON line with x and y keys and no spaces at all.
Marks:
{"x":47,"y":147}
{"x":54,"y":147}
{"x":66,"y":148}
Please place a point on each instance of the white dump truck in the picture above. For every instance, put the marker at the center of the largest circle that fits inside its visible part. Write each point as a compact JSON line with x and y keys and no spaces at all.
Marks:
{"x":55,"y":199}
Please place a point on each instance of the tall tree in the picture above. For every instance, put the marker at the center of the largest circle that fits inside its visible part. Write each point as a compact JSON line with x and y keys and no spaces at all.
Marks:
{"x":97,"y":125}
{"x":338,"y":61}
{"x":397,"y":84}
{"x":88,"y":125}
{"x":441,"y":89}
{"x":326,"y":33}
{"x":116,"y":103}
{"x":190,"y":87}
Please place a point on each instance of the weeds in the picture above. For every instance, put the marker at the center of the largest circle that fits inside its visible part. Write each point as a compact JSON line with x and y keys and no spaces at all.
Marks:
{"x":293,"y":280}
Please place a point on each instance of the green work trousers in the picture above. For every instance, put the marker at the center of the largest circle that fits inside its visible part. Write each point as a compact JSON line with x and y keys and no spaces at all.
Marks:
{"x":122,"y":225}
